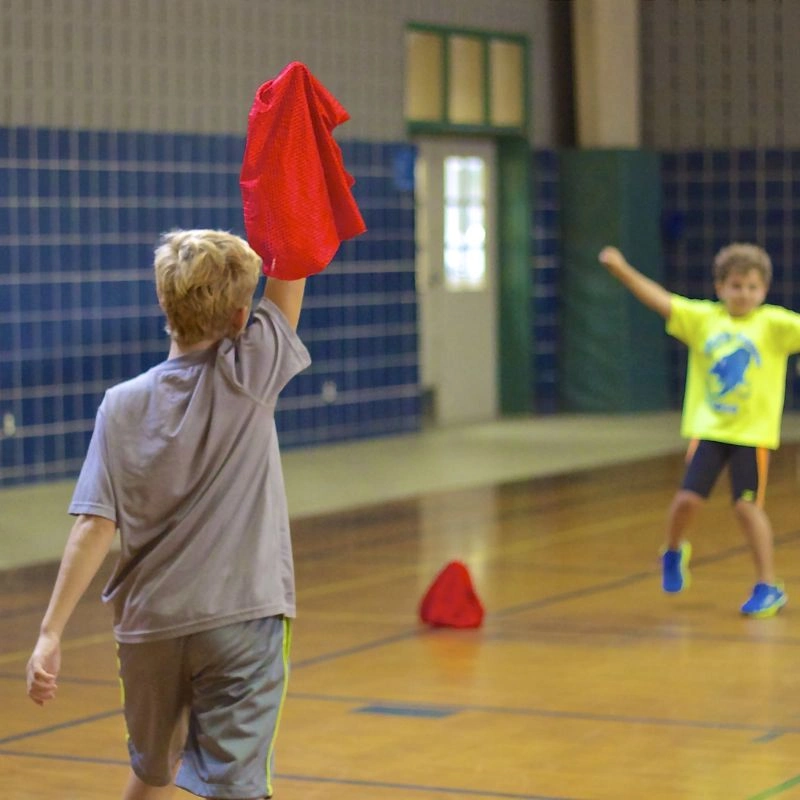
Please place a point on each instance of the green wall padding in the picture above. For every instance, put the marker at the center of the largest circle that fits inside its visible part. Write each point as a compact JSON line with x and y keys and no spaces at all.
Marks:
{"x":613,"y":355}
{"x":514,"y":216}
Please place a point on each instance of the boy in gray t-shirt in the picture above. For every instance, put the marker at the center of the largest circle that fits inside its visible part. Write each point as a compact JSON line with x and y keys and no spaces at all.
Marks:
{"x":184,"y":462}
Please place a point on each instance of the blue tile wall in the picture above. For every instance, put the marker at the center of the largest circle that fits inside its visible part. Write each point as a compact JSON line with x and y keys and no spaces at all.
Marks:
{"x":712,"y":198}
{"x":546,"y":249}
{"x":80,"y":213}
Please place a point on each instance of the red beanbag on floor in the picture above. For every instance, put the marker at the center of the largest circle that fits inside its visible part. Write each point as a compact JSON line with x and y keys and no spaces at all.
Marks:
{"x":298,"y":206}
{"x":451,"y":600}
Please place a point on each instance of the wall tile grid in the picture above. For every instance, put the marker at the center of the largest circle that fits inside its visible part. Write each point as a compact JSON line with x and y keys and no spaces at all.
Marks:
{"x":546,"y":249}
{"x":714,"y":197}
{"x":194,"y":65}
{"x":81,"y":211}
{"x":720,"y":75}
{"x":80,"y":214}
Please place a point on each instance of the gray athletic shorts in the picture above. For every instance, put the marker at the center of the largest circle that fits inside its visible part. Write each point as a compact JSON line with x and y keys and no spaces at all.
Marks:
{"x":211,"y":701}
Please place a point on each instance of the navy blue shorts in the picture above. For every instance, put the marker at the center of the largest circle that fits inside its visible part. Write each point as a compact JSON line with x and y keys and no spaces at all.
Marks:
{"x":747,"y":469}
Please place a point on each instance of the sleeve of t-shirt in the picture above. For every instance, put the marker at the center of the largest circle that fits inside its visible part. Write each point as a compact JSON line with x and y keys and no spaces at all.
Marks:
{"x":267,"y":355}
{"x":94,"y":493}
{"x":686,"y":317}
{"x":786,"y":325}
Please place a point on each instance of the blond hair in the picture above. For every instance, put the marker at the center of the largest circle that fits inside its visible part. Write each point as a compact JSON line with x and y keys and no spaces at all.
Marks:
{"x":202,"y":278}
{"x":740,"y":258}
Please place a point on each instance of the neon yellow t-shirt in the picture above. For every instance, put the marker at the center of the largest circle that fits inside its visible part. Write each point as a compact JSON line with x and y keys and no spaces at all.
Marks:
{"x":736,"y":378}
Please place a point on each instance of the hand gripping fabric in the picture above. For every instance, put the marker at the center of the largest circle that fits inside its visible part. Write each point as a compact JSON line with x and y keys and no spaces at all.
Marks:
{"x":451,"y":600}
{"x":296,"y":193}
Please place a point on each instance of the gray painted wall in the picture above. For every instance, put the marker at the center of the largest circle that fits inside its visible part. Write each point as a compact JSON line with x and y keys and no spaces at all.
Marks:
{"x":194,"y":65}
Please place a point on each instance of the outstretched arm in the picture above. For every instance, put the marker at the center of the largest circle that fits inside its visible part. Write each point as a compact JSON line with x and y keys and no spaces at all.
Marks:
{"x":288,"y":296}
{"x":87,"y":546}
{"x":644,"y":289}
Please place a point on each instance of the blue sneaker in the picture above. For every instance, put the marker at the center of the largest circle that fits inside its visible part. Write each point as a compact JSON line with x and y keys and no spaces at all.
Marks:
{"x":766,"y":601}
{"x":675,"y":568}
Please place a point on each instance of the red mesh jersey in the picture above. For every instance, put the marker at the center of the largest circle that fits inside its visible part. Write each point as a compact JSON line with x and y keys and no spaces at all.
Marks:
{"x":296,"y":193}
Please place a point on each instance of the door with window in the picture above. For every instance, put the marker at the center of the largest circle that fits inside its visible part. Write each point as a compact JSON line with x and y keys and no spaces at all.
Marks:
{"x":456,"y":279}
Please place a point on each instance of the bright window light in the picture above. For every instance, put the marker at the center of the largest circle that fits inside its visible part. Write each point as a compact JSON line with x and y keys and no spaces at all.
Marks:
{"x":464,"y":223}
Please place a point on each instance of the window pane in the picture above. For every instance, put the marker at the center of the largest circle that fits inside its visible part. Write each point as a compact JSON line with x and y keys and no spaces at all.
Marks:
{"x":507,"y":81}
{"x":464,"y":223}
{"x":465,"y":75}
{"x":424,"y":76}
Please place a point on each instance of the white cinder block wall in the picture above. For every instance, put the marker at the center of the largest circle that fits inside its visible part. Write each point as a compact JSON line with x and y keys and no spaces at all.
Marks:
{"x":194,"y":65}
{"x":721,"y":73}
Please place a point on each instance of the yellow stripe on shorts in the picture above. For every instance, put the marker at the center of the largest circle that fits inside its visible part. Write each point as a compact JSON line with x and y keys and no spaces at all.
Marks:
{"x":287,"y":648}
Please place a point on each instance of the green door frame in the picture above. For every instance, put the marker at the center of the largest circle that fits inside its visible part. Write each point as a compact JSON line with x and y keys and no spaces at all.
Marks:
{"x":514,"y":219}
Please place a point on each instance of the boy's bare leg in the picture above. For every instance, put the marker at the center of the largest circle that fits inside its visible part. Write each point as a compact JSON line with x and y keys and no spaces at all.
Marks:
{"x":681,"y":513}
{"x":138,"y":790}
{"x":758,"y":532}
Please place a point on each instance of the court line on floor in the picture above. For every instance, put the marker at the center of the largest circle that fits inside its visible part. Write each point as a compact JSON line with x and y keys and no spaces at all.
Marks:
{"x":537,"y":504}
{"x":67,"y":645}
{"x":410,"y":787}
{"x":114,"y":762}
{"x":548,"y":713}
{"x":773,"y":730}
{"x":412,"y":633}
{"x":519,"y":608}
{"x":554,"y":599}
{"x":776,"y":790}
{"x":490,"y":554}
{"x":16,"y":737}
{"x":20,"y":676}
{"x":490,"y":794}
{"x":639,"y":634}
{"x":628,"y":580}
{"x":417,"y":631}
{"x":22,"y":611}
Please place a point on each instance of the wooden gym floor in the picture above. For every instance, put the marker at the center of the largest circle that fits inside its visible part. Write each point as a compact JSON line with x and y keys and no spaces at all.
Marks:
{"x":585,"y":682}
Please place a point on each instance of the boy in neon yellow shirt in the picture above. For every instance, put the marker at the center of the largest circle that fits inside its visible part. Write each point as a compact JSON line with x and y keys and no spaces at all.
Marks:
{"x":732,"y":408}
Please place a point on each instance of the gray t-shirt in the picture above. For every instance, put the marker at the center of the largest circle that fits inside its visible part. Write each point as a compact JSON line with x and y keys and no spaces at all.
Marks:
{"x":184,"y":458}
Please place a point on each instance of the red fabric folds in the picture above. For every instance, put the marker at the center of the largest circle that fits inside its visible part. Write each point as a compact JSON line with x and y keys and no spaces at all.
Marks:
{"x":296,"y":193}
{"x":451,"y":600}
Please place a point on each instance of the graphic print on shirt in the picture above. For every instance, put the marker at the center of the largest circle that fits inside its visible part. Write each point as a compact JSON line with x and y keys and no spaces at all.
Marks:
{"x":726,"y":383}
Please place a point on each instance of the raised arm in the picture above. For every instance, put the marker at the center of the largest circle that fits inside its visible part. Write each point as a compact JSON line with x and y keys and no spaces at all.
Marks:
{"x":644,"y":289}
{"x":87,"y":546}
{"x":288,"y":296}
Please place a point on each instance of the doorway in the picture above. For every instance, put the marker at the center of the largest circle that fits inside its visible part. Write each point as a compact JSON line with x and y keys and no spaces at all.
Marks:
{"x":457,"y":279}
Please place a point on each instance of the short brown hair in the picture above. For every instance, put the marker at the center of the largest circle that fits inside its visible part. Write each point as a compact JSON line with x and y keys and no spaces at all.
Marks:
{"x":740,"y":258}
{"x":202,"y":277}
